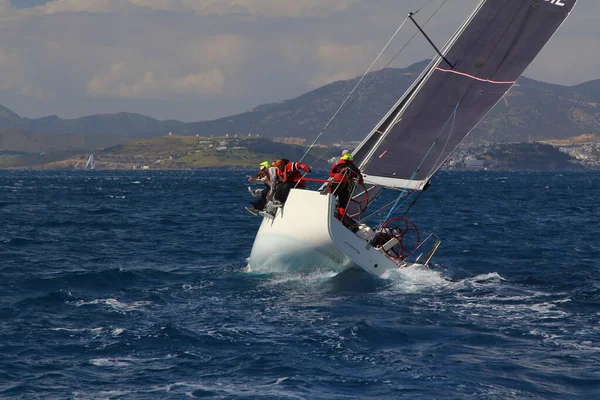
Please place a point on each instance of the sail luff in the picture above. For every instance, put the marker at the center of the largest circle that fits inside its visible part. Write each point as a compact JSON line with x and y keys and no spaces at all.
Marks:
{"x":364,"y":150}
{"x":490,"y":51}
{"x":407,"y":97}
{"x":405,"y":101}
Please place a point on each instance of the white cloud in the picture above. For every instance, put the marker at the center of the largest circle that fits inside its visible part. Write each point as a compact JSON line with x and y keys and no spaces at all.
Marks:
{"x":16,"y":77}
{"x":230,"y":54}
{"x":91,"y":6}
{"x":8,"y":12}
{"x":194,"y":67}
{"x":339,"y":62}
{"x":13,"y":70}
{"x":119,"y":82}
{"x":267,"y":8}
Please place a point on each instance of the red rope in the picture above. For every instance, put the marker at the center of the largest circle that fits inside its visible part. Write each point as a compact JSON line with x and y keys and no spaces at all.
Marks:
{"x":315,"y":179}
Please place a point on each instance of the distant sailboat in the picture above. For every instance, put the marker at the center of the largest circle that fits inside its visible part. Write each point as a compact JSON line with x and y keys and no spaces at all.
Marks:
{"x":470,"y":74}
{"x":90,"y":162}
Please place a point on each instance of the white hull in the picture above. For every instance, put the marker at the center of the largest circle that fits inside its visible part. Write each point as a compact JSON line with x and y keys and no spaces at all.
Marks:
{"x":305,"y":234}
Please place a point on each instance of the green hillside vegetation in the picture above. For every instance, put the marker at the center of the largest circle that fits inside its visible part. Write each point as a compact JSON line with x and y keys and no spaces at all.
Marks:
{"x":35,"y":161}
{"x":184,"y":152}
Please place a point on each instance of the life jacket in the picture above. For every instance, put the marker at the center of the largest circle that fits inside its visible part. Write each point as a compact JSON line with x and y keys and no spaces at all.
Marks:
{"x":343,"y":171}
{"x":291,"y":173}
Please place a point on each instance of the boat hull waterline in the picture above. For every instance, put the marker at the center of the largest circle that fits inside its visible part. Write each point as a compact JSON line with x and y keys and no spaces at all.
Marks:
{"x":305,"y":235}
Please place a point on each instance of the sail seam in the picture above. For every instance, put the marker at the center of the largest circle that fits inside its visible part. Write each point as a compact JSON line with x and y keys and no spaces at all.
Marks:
{"x":475,"y":77}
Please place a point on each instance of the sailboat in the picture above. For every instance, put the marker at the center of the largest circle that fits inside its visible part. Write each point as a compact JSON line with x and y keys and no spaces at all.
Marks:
{"x":468,"y":76}
{"x":90,"y":162}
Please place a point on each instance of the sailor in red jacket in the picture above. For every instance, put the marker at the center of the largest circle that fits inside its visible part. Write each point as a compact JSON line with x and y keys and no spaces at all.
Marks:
{"x":344,"y":174}
{"x":290,"y":176}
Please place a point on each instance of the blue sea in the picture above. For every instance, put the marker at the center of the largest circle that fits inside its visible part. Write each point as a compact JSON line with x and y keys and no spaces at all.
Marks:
{"x":134,"y":285}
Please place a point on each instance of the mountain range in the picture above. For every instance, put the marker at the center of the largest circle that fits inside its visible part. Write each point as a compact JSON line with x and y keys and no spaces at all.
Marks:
{"x":532,"y":110}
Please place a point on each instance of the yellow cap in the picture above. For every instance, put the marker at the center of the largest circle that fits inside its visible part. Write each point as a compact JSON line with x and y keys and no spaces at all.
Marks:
{"x":264,"y":164}
{"x":347,"y":157}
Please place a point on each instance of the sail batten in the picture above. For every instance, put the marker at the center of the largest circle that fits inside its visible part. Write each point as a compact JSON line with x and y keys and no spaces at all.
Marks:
{"x":489,"y":52}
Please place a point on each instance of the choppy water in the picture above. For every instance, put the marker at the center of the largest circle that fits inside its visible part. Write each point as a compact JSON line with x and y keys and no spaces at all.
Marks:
{"x":133,"y":285}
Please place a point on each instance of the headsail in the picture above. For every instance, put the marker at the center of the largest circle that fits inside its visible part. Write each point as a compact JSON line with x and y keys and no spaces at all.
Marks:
{"x":489,"y":53}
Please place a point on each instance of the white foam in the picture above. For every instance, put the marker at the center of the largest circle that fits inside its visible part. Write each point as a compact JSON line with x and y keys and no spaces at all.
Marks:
{"x":102,"y":395}
{"x":309,"y":279}
{"x":127,"y":361}
{"x":109,"y":362}
{"x":227,"y":390}
{"x":113,"y":303}
{"x":411,"y":280}
{"x":78,"y":330}
{"x":96,"y":332}
{"x":279,"y":380}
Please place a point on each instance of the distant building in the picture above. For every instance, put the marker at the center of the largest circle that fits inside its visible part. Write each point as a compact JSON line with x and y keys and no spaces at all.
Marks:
{"x":474,"y":163}
{"x":290,"y":140}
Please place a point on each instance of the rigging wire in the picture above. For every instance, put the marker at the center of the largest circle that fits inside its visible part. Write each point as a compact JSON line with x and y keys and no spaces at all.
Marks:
{"x":423,"y":6}
{"x":374,"y":78}
{"x":355,"y":87}
{"x":381,"y":208}
{"x":451,"y":118}
{"x":433,"y":167}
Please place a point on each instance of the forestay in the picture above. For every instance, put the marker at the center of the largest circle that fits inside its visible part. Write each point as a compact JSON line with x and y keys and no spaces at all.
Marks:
{"x":488,"y":54}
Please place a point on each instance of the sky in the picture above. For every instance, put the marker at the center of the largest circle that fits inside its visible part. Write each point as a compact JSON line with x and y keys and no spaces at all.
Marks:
{"x":195,"y":60}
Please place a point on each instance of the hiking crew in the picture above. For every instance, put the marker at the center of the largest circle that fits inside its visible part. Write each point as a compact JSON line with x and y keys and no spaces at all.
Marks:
{"x":344,"y":174}
{"x":269,"y":176}
{"x":290,"y":177}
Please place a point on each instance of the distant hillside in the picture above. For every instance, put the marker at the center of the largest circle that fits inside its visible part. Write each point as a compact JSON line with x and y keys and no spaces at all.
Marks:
{"x":177,"y":152}
{"x":542,"y":111}
{"x":16,"y":139}
{"x":124,"y":125}
{"x":573,"y":141}
{"x":532,"y":156}
{"x":531,"y":110}
{"x":184,"y":152}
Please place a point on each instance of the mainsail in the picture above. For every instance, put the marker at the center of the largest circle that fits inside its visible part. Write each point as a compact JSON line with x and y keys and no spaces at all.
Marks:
{"x":488,"y":53}
{"x":90,"y":162}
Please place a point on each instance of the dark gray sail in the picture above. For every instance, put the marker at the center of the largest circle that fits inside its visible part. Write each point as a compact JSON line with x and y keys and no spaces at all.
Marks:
{"x":489,"y":53}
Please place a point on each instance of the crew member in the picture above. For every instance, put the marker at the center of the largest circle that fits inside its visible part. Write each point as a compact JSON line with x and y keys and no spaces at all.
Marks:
{"x":290,"y":177}
{"x":267,"y":174}
{"x":344,"y":174}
